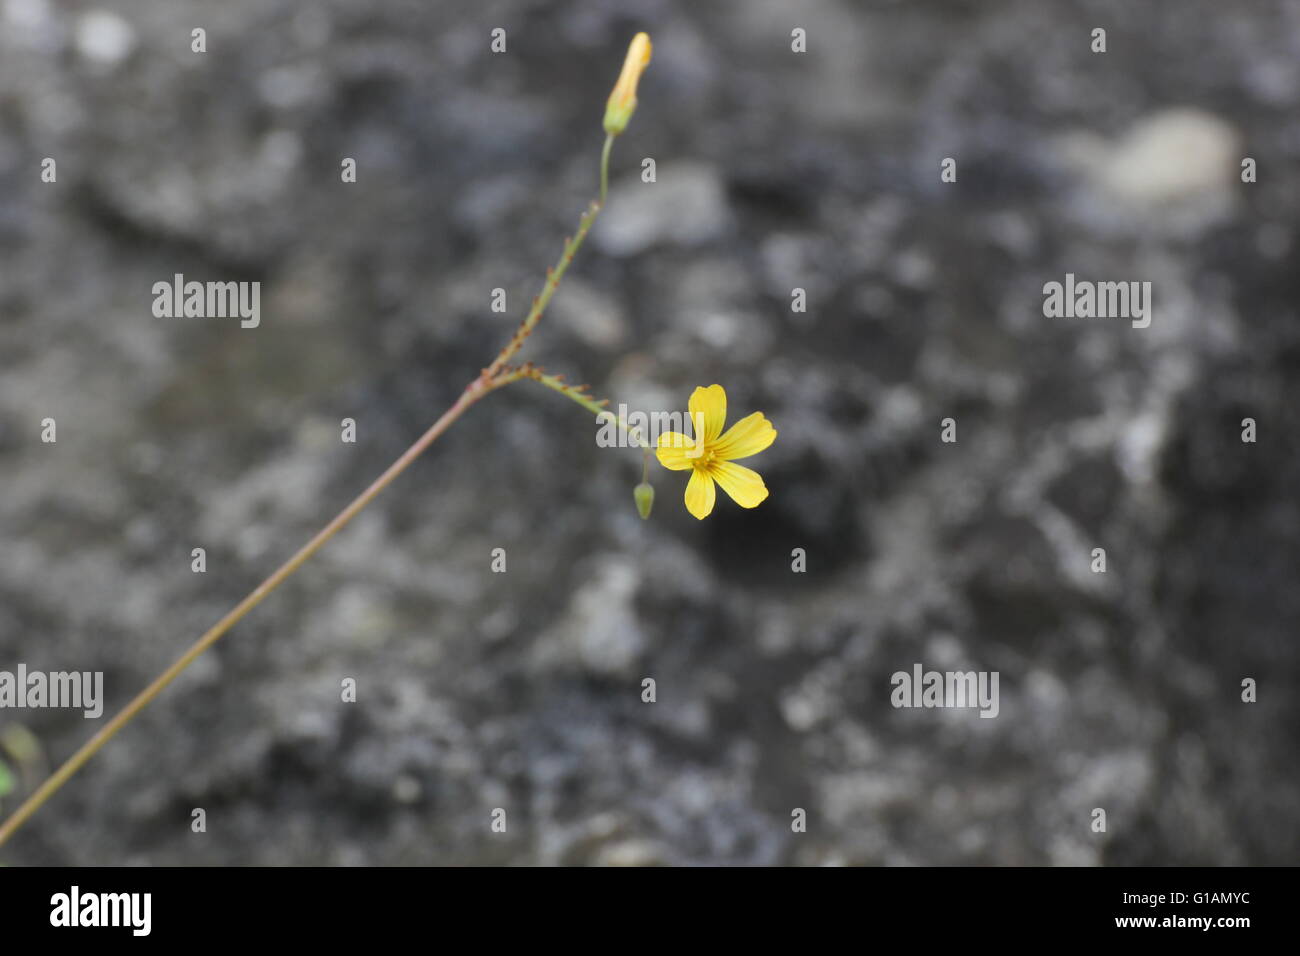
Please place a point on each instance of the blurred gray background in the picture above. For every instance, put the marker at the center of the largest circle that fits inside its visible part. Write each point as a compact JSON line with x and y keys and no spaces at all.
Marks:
{"x":775,"y":170}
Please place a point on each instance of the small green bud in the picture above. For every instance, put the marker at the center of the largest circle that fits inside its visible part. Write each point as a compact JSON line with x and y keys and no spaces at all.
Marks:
{"x":644,"y":494}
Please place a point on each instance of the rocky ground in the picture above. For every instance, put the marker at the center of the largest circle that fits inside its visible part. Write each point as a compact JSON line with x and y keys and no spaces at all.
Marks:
{"x":775,"y":170}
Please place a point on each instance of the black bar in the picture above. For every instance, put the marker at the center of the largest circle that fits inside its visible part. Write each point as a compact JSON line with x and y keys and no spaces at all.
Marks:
{"x":332,"y":906}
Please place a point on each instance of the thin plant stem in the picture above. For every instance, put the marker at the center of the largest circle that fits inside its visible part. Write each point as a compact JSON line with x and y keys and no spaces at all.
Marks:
{"x":553,"y":277}
{"x":495,"y":376}
{"x":604,"y":167}
{"x":472,"y":394}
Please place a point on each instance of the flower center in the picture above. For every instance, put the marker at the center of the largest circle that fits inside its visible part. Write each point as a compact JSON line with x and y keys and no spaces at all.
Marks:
{"x":705,"y":459}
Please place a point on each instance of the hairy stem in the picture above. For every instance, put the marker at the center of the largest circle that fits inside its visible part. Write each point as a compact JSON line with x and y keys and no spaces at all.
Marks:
{"x":578,"y":393}
{"x":553,"y":277}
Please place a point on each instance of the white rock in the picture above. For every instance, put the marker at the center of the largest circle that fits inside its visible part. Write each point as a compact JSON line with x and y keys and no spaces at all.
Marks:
{"x":685,"y":205}
{"x":595,"y":318}
{"x":104,"y":37}
{"x":600,"y":631}
{"x":1171,"y":156}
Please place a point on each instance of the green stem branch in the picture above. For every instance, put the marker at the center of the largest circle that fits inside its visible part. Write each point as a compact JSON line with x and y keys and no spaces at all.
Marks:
{"x":577,"y":393}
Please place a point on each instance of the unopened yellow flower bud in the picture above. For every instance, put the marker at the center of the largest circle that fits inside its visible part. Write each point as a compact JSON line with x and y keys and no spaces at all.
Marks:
{"x":644,"y":494}
{"x":622,"y":101}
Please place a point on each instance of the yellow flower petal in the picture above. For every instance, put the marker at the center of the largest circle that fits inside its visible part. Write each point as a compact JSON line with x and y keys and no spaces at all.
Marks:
{"x":747,"y":437}
{"x":676,"y":451}
{"x":743,"y":484}
{"x":700,"y":494}
{"x":710,"y":402}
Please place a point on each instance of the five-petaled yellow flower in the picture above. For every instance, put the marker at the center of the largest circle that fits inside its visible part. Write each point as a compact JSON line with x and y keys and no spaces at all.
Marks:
{"x":711,"y":457}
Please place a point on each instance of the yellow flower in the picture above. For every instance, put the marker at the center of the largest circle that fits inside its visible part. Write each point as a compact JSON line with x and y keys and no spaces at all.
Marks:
{"x":711,"y":457}
{"x":622,"y":102}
